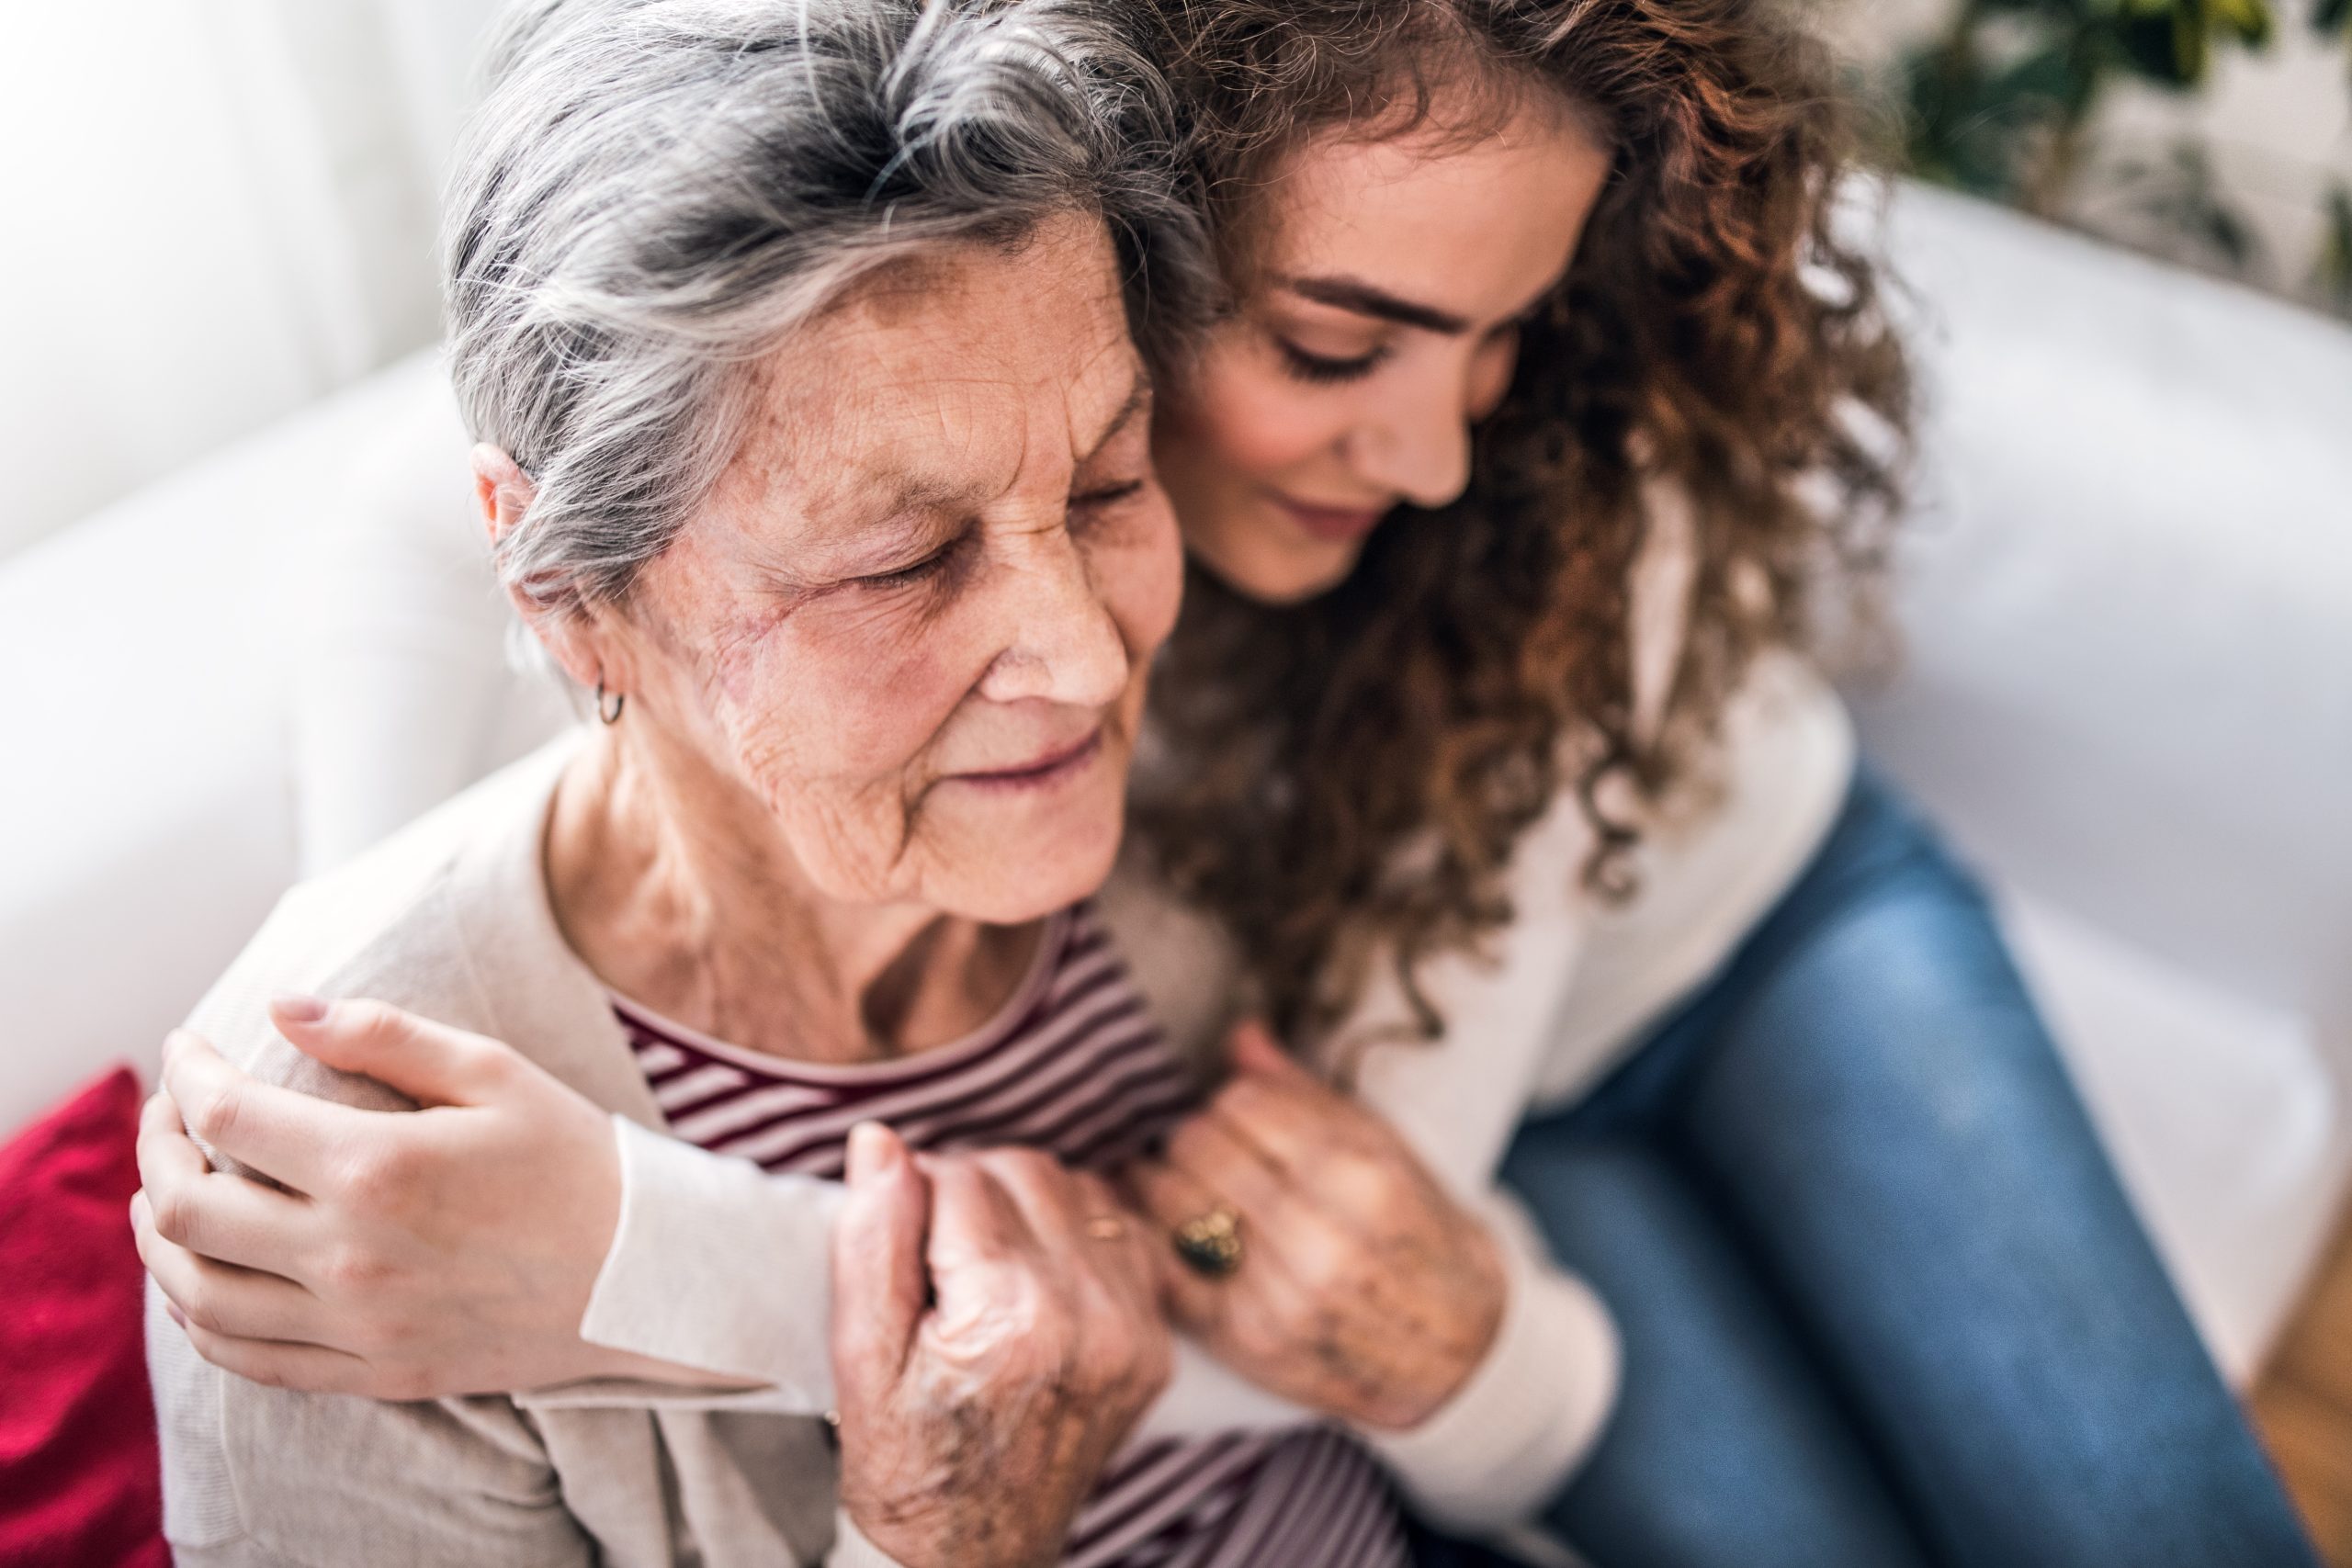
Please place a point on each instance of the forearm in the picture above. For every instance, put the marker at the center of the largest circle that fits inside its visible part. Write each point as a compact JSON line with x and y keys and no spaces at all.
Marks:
{"x":714,"y":1295}
{"x":713,"y":1292}
{"x":1530,"y":1412}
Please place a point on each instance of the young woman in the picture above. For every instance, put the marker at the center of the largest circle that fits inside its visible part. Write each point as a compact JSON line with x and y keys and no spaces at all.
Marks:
{"x":1489,"y":748}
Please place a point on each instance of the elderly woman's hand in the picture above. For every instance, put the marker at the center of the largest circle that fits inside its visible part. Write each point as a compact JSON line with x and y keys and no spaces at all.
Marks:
{"x":409,"y":1256}
{"x":1363,"y":1290}
{"x":995,"y":1337}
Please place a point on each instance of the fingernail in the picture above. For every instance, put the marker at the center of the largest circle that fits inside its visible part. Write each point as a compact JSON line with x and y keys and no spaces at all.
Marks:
{"x":297,"y":1009}
{"x":872,"y":1151}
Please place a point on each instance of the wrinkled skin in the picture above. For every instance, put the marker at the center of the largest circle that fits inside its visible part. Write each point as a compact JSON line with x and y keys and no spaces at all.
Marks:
{"x":1368,"y":1293}
{"x":973,"y":1428}
{"x":881,"y":693}
{"x":1365,"y":1292}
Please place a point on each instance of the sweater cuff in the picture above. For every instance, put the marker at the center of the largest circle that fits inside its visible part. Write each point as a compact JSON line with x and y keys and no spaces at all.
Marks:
{"x":851,"y":1550}
{"x":1512,"y":1436}
{"x":717,"y":1264}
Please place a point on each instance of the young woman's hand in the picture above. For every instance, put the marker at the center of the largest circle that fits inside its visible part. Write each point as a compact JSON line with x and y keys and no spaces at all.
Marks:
{"x":411,"y":1255}
{"x":1363,"y":1290}
{"x":996,"y":1334}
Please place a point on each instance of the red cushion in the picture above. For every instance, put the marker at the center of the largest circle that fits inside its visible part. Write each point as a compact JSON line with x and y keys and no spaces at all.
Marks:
{"x":79,"y":1477}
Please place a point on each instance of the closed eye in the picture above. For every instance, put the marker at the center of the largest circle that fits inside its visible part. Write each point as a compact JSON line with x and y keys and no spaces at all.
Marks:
{"x":1109,"y":495}
{"x":929,"y":566}
{"x":940,"y":560}
{"x":1323,"y":369}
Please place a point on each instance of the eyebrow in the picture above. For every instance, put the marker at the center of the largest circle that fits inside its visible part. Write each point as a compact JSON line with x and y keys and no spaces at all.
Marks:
{"x":1369,"y":299}
{"x":916,"y":505}
{"x":925,"y":497}
{"x":1138,"y":397}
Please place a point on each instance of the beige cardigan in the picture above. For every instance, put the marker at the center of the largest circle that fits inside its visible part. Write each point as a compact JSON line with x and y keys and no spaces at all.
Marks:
{"x":1531,"y":1023}
{"x":451,"y":919}
{"x":719,"y":1266}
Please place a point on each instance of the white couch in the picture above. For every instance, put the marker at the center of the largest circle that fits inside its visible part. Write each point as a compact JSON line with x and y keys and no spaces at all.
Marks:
{"x":2129,"y":694}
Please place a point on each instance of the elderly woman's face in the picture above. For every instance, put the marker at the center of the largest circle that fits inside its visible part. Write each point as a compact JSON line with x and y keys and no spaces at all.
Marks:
{"x":914,"y":621}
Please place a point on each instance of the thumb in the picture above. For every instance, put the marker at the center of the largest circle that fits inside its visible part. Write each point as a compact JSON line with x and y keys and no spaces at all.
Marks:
{"x":878,"y":1279}
{"x":1252,"y":1049}
{"x":430,"y":1063}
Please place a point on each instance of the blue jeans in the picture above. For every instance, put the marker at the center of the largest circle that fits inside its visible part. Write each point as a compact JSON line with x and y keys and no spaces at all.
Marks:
{"x":1882,"y":1299}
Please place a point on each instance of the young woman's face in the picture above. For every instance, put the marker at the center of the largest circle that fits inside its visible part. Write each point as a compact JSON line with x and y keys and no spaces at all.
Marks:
{"x":1382,"y":326}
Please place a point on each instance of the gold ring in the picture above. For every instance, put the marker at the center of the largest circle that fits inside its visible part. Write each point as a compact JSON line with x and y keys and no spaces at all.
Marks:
{"x":1211,"y":1245}
{"x":1106,"y":1227}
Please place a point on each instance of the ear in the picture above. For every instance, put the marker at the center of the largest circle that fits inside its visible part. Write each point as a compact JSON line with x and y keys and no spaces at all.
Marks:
{"x":504,"y":493}
{"x":501,"y":488}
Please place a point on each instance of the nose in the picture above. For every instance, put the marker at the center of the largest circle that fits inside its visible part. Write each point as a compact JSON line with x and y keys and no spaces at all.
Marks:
{"x":1416,"y":443}
{"x":1061,"y":642}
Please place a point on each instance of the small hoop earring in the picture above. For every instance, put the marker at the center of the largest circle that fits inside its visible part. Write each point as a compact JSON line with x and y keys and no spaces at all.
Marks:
{"x":610,"y":715}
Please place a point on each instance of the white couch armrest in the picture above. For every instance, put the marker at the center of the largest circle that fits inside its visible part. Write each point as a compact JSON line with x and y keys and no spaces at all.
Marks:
{"x":2128,"y":597}
{"x":146,"y":809}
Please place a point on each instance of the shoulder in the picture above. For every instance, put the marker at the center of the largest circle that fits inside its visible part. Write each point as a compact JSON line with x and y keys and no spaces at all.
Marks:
{"x":394,"y":924}
{"x":1179,"y":958}
{"x":256,"y":1475}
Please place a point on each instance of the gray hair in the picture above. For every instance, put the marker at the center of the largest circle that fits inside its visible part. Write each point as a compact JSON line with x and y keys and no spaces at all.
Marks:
{"x":656,"y":190}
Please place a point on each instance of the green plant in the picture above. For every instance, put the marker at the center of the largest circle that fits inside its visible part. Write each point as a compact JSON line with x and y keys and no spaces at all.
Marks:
{"x":2333,"y":17}
{"x":2184,"y":196}
{"x":2332,"y":275}
{"x":2001,"y":101}
{"x":2334,"y":271}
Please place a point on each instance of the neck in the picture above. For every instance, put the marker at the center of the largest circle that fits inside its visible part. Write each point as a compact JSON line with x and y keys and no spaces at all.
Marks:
{"x":676,"y":889}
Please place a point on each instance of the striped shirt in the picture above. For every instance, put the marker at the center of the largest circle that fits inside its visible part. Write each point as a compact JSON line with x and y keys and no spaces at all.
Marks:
{"x":1072,"y":1063}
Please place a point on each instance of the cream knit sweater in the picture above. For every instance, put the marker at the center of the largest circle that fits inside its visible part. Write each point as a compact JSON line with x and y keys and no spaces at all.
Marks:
{"x":716,"y":1265}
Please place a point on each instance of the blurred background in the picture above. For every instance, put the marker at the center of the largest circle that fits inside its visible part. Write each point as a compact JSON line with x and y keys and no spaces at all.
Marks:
{"x":222,"y":210}
{"x":248,"y":629}
{"x":2210,"y":133}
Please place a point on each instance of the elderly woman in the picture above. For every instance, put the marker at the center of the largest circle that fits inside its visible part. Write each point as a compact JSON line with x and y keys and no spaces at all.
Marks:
{"x":1491,"y":358}
{"x":814,"y":442}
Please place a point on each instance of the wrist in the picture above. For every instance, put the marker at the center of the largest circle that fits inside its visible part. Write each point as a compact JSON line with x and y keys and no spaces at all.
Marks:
{"x":852,"y":1548}
{"x":1489,"y":1293}
{"x":970,"y":1510}
{"x":701,"y":1251}
{"x":597,"y":1187}
{"x":938,"y":1539}
{"x":1459,"y":1338}
{"x":1512,"y":1436}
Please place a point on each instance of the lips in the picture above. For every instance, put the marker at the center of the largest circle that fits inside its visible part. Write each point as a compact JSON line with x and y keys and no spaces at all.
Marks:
{"x":1332,"y":524}
{"x":1048,"y":768}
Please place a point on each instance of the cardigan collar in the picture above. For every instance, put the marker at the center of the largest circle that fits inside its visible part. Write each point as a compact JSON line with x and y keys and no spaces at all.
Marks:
{"x":547,"y":1002}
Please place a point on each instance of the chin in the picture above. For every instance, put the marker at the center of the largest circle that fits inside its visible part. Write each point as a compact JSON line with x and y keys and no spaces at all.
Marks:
{"x":1036,"y":891}
{"x":1273,"y":576}
{"x":1030,"y":870}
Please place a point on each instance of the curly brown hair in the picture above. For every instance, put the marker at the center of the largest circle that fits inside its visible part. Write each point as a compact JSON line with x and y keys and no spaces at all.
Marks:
{"x":1353,"y":774}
